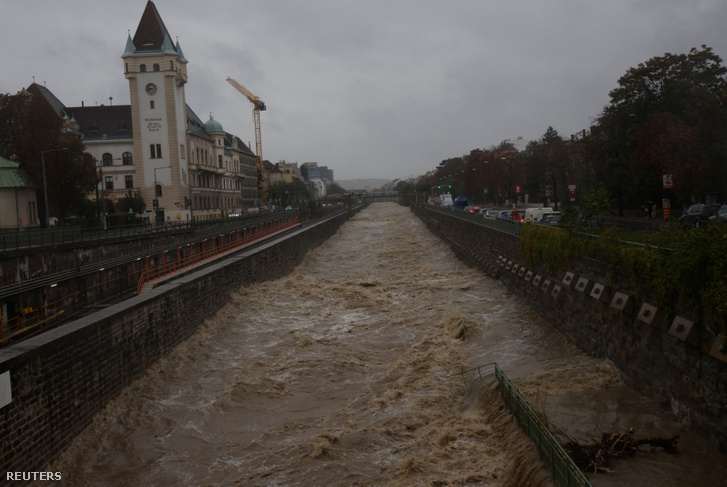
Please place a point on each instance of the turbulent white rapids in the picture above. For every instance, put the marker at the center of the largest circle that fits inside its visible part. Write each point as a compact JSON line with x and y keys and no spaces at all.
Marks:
{"x":338,"y":375}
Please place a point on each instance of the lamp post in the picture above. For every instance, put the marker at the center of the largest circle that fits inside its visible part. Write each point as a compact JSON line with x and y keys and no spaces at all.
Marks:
{"x":103,"y":188}
{"x":45,"y":185}
{"x":156,"y":196}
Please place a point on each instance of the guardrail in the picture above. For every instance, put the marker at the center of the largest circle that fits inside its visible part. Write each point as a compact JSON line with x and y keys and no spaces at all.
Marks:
{"x":25,"y":239}
{"x":564,"y":471}
{"x":508,"y":226}
{"x":240,"y":239}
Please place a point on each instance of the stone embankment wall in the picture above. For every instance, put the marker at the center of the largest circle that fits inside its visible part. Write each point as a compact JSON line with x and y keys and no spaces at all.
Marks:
{"x":59,"y":380}
{"x":680,"y":364}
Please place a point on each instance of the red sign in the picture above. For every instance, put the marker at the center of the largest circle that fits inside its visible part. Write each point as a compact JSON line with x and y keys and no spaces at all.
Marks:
{"x":517,"y":189}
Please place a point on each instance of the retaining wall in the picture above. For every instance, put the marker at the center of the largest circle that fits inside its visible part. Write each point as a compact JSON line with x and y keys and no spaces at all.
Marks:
{"x":59,"y":380}
{"x":680,"y":364}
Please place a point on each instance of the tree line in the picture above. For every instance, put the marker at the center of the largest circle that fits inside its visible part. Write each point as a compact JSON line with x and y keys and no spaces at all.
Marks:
{"x":667,"y":117}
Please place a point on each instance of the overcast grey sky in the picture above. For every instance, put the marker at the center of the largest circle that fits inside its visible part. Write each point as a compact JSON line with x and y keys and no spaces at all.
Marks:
{"x":374,"y":88}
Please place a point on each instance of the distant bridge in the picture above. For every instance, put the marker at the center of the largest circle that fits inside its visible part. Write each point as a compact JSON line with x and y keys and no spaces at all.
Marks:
{"x":382,"y":196}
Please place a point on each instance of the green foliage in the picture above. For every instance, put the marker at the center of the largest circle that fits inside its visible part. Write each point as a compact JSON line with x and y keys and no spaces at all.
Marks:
{"x":595,"y":203}
{"x":133,"y":201}
{"x":688,"y":268}
{"x":545,"y":246}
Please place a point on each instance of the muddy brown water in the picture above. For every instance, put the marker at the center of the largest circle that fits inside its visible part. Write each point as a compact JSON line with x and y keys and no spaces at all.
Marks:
{"x":338,"y":375}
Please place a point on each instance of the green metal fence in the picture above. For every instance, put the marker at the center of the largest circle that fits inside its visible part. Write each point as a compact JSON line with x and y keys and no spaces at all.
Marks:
{"x":564,"y":471}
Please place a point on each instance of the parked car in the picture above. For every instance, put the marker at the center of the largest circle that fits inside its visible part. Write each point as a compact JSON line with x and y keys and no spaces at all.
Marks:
{"x":460,"y":203}
{"x":517,"y":215}
{"x":235,"y":214}
{"x":491,"y":214}
{"x":720,"y":216}
{"x":531,"y":213}
{"x":551,"y":219}
{"x":698,"y":214}
{"x":543,"y":216}
{"x":504,"y":215}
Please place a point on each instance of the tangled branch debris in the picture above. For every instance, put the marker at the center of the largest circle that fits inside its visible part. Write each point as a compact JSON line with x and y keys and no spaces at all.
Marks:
{"x":594,"y":457}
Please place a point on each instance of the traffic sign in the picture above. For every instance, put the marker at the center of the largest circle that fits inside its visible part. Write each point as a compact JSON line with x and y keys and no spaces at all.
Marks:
{"x":668,"y":181}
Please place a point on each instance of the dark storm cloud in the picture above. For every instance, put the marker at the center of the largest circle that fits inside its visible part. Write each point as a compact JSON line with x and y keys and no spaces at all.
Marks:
{"x":371,"y":89}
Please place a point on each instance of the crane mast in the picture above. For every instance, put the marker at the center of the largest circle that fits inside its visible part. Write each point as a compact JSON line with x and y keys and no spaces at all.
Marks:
{"x":258,"y":105}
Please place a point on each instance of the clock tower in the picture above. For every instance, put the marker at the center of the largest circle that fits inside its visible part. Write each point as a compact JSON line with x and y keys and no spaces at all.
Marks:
{"x":157,"y":72}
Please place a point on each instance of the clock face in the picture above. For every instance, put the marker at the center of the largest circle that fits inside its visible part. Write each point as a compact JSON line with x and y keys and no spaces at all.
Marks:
{"x":151,"y":89}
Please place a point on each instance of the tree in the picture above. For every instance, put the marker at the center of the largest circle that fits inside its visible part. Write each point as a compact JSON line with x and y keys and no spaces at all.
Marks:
{"x":29,"y":126}
{"x":670,"y":116}
{"x":595,"y":203}
{"x":334,"y":188}
{"x":134,"y":201}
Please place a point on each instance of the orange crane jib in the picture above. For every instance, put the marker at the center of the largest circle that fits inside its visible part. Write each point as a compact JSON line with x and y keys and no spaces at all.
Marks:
{"x":258,"y":105}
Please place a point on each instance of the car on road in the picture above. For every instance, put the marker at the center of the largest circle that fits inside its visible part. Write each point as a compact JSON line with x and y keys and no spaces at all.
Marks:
{"x":517,"y":215}
{"x":491,"y":214}
{"x":545,"y":215}
{"x":235,"y":214}
{"x":531,"y":213}
{"x":720,"y":216}
{"x":697,"y":215}
{"x":551,"y":219}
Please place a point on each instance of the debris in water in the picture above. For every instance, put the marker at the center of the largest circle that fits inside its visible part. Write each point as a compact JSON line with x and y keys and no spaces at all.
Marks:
{"x":595,"y":456}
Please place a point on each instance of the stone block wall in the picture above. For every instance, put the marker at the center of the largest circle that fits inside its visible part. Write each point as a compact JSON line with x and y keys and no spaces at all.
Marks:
{"x":63,"y":377}
{"x":679,"y":363}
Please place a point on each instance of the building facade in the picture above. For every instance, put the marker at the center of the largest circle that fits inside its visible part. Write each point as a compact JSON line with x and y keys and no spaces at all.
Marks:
{"x":185,"y":169}
{"x":18,"y":205}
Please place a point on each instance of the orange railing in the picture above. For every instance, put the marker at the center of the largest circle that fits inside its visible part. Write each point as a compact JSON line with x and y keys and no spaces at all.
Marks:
{"x":26,"y":319}
{"x":29,"y":318}
{"x":210,"y":250}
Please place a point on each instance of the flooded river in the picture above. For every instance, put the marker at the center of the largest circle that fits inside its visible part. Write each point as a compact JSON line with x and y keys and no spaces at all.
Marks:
{"x":338,"y":375}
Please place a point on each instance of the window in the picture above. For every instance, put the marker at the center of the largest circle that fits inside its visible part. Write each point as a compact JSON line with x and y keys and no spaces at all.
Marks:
{"x":171,"y":65}
{"x":182,"y":152}
{"x":156,"y":67}
{"x":151,"y":104}
{"x":219,"y":160}
{"x":158,"y":190}
{"x":142,"y":68}
{"x":108,"y":159}
{"x":109,"y":182}
{"x":128,"y":159}
{"x":155,"y":151}
{"x":129,"y":180}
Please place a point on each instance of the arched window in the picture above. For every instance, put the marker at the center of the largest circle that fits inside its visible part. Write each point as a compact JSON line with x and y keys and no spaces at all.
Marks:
{"x":142,"y":68}
{"x":128,"y":159}
{"x":158,"y":190}
{"x":108,"y":159}
{"x":156,"y":67}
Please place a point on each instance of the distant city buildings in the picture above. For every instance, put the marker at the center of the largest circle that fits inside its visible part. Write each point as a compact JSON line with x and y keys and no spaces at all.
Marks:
{"x":319,"y":172}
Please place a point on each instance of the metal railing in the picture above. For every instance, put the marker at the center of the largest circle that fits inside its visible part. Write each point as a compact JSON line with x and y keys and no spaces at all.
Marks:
{"x":42,"y":237}
{"x":508,"y":226}
{"x":232,"y":242}
{"x":564,"y":471}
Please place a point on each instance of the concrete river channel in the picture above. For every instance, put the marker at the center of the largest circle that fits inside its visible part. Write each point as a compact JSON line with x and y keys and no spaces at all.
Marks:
{"x":338,"y":374}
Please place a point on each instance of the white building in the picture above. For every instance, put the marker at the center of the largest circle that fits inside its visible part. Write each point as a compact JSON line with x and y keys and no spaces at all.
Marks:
{"x":185,"y":169}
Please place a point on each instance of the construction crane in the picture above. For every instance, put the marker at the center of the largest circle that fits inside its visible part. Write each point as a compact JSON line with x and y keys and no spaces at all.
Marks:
{"x":257,"y":105}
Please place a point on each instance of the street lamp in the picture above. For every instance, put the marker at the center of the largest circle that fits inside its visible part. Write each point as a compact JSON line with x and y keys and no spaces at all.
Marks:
{"x":45,"y":185}
{"x":156,"y":196}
